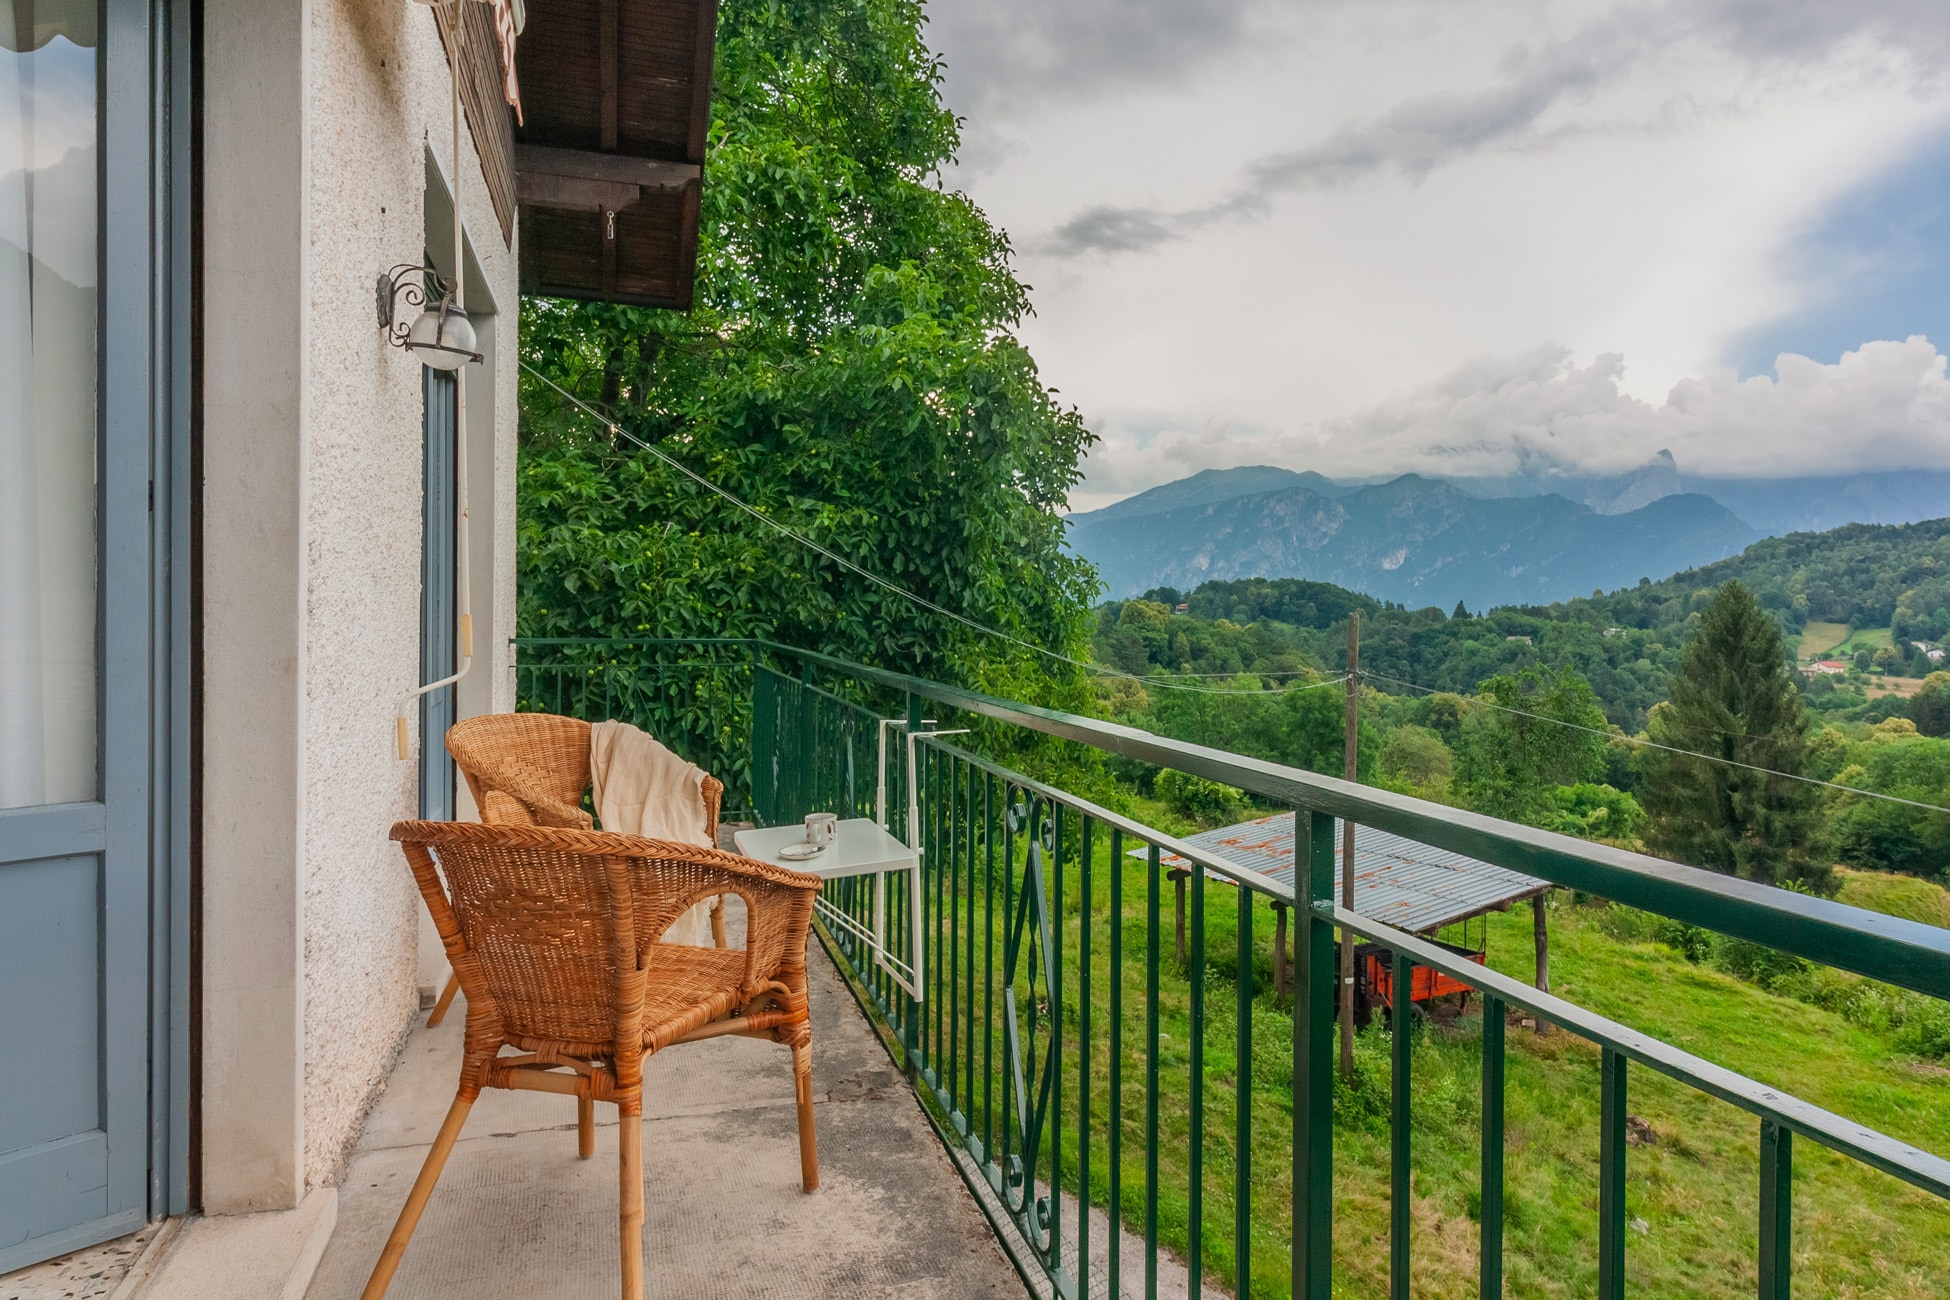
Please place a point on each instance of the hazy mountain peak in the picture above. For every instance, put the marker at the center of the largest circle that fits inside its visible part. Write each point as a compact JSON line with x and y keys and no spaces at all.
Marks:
{"x":1211,"y":485}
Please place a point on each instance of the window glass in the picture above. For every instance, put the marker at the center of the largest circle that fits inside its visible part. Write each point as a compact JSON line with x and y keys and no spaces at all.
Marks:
{"x":47,"y":401}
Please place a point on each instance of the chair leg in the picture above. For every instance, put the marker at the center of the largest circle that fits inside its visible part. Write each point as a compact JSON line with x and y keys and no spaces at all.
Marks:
{"x":585,"y":1127}
{"x":446,"y":1000}
{"x":717,"y":923}
{"x":416,"y":1200}
{"x":808,"y":1143}
{"x":629,"y":1174}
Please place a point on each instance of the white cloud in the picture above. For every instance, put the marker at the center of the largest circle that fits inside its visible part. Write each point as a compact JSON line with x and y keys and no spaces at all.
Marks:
{"x":1884,"y":406}
{"x":1262,"y":236}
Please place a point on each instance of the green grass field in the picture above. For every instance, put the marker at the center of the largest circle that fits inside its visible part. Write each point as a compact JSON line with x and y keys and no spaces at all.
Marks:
{"x":1871,"y":639}
{"x":1817,"y":639}
{"x":1893,"y":895}
{"x":1691,"y":1196}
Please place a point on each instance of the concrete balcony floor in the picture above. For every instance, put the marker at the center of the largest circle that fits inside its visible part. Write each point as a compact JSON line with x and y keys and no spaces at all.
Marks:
{"x":516,"y":1214}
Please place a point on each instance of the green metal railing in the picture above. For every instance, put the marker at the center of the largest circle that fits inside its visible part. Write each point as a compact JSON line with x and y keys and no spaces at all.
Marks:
{"x":1048,"y":1038}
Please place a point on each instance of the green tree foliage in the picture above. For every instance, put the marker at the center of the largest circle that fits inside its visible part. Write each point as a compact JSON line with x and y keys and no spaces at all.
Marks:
{"x":1205,"y":802}
{"x":1735,"y":698}
{"x":1894,"y":759}
{"x":849,"y":368}
{"x":1594,"y":811}
{"x":1415,"y":760}
{"x":1929,"y":709}
{"x":1513,"y":751}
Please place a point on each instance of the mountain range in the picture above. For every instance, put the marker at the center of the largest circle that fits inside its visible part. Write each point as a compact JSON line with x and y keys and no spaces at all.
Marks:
{"x":1414,"y":540}
{"x":1521,"y":539}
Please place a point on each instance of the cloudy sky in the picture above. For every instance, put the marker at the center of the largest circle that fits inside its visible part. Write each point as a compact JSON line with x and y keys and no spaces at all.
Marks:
{"x":1473,"y":236}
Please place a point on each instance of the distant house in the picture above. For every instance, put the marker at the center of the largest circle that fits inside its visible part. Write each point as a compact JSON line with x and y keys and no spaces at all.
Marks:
{"x":1611,"y":632}
{"x":1829,"y":667}
{"x":1183,"y":607}
{"x":1934,"y":655}
{"x":1524,"y":639}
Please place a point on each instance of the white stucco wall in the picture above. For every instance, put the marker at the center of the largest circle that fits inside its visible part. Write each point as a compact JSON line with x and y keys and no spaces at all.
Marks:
{"x":316,"y":923}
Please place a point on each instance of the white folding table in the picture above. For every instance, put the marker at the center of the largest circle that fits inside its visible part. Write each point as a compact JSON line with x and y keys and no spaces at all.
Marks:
{"x":861,"y":848}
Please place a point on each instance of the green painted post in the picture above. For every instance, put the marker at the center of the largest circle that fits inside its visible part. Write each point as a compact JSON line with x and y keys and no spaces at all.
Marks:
{"x":1776,"y":1211}
{"x":1490,"y":1251}
{"x":1055,"y":977}
{"x":1086,"y":904}
{"x":1313,"y":1065}
{"x":1151,"y":959}
{"x":1242,"y":1102}
{"x":1401,"y":1087}
{"x":1611,"y":1178}
{"x":1115,"y":1155}
{"x":1195,"y":1227}
{"x":988,"y":966}
{"x":910,"y":1009}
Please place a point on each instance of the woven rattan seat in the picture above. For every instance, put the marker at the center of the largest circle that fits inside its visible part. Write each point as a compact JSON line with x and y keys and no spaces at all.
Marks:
{"x":553,"y":934}
{"x":530,"y":769}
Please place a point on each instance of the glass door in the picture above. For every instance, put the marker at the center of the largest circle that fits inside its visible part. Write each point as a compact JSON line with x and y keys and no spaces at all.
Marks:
{"x":77,"y":628}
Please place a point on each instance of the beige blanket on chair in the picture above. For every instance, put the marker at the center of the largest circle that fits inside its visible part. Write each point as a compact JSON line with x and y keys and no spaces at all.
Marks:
{"x":641,"y":788}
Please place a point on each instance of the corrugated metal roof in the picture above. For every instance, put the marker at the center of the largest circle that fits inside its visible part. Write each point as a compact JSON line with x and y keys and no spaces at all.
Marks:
{"x":1408,"y":885}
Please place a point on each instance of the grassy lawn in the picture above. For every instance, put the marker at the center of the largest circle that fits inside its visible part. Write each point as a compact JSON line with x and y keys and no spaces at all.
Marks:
{"x":1871,"y":639}
{"x":1893,"y":895}
{"x":1817,"y":639}
{"x":1692,"y":1194}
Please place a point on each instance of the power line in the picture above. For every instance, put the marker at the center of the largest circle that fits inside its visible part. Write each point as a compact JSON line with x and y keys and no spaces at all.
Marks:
{"x":1670,"y":749}
{"x":616,"y":429}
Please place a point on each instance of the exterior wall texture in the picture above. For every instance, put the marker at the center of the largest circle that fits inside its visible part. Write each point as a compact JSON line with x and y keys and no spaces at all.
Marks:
{"x":363,"y":85}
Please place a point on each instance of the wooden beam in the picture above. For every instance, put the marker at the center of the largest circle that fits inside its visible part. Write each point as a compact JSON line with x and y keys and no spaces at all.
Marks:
{"x":542,"y":190}
{"x":620,"y":169}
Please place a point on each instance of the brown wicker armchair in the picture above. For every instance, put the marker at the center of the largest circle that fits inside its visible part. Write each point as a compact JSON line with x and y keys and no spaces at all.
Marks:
{"x":553,"y":935}
{"x":530,"y":769}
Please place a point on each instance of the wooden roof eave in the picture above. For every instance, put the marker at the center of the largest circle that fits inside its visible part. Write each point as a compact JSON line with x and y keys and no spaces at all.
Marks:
{"x":609,"y":165}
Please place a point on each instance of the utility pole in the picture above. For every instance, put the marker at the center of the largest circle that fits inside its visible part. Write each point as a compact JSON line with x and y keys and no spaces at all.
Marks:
{"x":1350,"y":748}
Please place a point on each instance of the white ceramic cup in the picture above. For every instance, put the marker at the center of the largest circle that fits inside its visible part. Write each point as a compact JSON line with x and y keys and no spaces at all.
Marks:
{"x":822,"y":828}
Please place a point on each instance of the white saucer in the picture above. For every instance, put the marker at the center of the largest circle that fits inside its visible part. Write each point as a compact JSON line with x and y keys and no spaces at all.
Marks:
{"x":801,"y":851}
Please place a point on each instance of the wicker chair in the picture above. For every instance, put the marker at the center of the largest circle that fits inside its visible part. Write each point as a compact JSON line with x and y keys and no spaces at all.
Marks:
{"x":530,"y":769}
{"x":553,"y":933}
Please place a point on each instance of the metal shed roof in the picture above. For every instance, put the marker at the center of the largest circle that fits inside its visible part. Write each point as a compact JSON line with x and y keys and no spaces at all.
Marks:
{"x":1400,"y":882}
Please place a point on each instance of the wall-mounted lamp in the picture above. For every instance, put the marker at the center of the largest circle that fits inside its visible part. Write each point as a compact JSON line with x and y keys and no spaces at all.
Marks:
{"x":441,"y":334}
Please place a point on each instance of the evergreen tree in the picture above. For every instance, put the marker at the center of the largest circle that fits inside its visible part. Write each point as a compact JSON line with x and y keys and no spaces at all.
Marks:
{"x":1734,"y":697}
{"x":1460,"y":611}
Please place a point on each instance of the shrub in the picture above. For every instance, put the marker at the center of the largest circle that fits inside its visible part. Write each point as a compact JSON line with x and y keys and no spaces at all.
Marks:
{"x":1205,"y":802}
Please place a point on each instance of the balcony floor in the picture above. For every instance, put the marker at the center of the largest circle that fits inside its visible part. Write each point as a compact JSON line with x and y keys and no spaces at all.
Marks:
{"x":516,"y":1214}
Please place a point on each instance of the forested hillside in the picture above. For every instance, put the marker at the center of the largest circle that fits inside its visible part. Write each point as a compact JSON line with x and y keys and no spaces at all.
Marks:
{"x":1624,"y":642}
{"x":1261,"y":655}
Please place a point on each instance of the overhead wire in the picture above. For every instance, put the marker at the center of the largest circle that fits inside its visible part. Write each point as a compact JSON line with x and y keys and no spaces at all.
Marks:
{"x":1670,"y":749}
{"x":616,"y":429}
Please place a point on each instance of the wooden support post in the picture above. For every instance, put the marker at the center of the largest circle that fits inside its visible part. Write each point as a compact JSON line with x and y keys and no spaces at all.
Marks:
{"x":1350,"y":765}
{"x":1279,"y":949}
{"x":1540,"y":914}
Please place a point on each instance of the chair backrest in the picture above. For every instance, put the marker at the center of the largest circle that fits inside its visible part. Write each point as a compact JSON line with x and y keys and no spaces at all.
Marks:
{"x":530,"y":769}
{"x":524,"y":769}
{"x":539,"y":924}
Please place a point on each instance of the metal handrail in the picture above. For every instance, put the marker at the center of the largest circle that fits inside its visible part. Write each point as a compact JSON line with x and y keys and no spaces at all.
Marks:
{"x":1892,"y":949}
